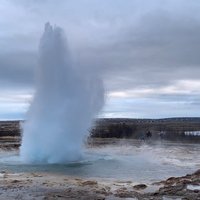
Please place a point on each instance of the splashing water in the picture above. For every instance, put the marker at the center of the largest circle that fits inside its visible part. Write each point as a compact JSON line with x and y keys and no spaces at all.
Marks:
{"x":63,"y":106}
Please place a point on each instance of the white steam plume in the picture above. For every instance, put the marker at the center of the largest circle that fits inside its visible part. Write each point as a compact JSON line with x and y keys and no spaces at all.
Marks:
{"x":63,"y":107}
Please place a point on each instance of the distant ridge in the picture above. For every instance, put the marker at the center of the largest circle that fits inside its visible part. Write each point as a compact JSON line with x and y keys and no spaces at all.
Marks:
{"x":171,"y":128}
{"x":129,"y":119}
{"x":174,"y":128}
{"x":171,"y":119}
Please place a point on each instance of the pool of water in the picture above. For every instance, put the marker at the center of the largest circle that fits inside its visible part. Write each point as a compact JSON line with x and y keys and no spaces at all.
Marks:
{"x":122,"y":159}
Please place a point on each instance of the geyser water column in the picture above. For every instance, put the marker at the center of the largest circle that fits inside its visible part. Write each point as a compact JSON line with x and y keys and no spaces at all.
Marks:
{"x":64,"y":105}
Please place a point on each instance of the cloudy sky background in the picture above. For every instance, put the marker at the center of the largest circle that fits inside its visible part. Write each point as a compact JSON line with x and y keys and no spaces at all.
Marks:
{"x":147,"y":52}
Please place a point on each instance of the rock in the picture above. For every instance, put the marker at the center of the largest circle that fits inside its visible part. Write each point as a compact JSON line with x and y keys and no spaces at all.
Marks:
{"x":90,"y":183}
{"x":103,"y":191}
{"x":197,"y":172}
{"x":140,"y":186}
{"x":183,"y":187}
{"x":15,"y":181}
{"x":124,"y":193}
{"x":171,"y":190}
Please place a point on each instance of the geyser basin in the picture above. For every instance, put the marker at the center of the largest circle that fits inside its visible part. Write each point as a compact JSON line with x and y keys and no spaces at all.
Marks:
{"x":63,"y":107}
{"x":126,"y":160}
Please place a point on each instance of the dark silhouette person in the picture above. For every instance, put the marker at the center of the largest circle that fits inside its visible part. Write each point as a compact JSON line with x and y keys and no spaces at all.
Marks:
{"x":148,"y":134}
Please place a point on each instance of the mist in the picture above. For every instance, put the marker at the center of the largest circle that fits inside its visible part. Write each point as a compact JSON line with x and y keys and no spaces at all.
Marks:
{"x":65,"y":103}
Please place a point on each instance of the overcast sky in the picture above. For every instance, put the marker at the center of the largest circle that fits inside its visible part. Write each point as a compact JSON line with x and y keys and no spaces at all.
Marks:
{"x":147,"y":52}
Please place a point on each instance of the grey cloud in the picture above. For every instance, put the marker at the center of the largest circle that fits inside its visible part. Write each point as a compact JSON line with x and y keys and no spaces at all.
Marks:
{"x":16,"y":69}
{"x":161,"y":48}
{"x":132,"y":44}
{"x":177,"y":98}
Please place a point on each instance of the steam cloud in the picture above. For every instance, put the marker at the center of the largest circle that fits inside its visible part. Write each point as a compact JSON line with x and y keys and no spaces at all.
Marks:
{"x":64,"y":105}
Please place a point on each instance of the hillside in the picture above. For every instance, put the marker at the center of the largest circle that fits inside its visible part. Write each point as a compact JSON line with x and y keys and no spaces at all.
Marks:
{"x":168,"y":128}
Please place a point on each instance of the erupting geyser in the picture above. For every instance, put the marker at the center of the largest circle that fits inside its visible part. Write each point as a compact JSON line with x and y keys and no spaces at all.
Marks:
{"x":63,"y":107}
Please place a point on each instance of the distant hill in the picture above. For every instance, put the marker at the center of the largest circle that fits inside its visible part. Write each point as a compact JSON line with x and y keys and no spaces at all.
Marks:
{"x":10,"y":128}
{"x":167,"y":128}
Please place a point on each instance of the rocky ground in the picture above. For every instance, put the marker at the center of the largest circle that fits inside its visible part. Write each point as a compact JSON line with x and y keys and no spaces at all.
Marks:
{"x":51,"y":186}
